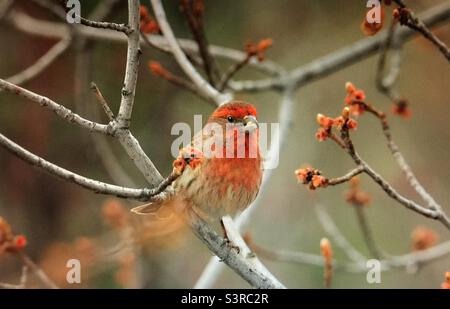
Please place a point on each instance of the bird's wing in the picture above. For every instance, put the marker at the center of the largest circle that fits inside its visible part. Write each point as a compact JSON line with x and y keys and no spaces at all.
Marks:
{"x":154,"y":207}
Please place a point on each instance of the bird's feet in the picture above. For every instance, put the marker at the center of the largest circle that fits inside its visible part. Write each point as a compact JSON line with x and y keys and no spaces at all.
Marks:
{"x":227,"y":241}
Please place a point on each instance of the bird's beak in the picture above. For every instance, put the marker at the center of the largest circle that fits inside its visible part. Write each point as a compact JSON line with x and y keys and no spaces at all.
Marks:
{"x":250,"y":123}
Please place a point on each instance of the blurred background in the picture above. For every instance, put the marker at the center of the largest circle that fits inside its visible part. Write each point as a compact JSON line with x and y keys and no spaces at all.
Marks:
{"x":63,"y":221}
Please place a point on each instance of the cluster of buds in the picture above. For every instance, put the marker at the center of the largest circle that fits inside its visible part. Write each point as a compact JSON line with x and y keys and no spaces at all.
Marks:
{"x":188,"y":156}
{"x":311,"y":177}
{"x":327,"y":254}
{"x":402,"y":15}
{"x":355,"y":196}
{"x":258,"y":49}
{"x":401,"y":108}
{"x":355,"y":97}
{"x":423,"y":238}
{"x":446,"y":284}
{"x":147,"y":23}
{"x":327,"y":123}
{"x":114,"y":214}
{"x":9,"y":242}
{"x":326,"y":250}
{"x":158,"y":69}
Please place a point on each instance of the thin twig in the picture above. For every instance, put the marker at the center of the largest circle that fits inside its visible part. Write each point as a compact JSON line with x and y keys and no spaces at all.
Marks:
{"x":43,"y":28}
{"x":60,"y":110}
{"x":128,"y":30}
{"x":150,"y":42}
{"x":144,"y":194}
{"x":385,"y":83}
{"x":408,"y":18}
{"x":41,"y":64}
{"x":335,"y":234}
{"x":337,"y":140}
{"x":399,"y":158}
{"x":132,"y":66}
{"x":180,"y":82}
{"x":37,"y":271}
{"x":283,"y":255}
{"x":203,"y":86}
{"x":22,"y":282}
{"x":231,"y":71}
{"x":111,"y":163}
{"x":390,"y":191}
{"x":367,"y":232}
{"x":195,"y":21}
{"x":5,"y":8}
{"x":126,"y":139}
{"x":102,"y":102}
{"x":393,"y":262}
{"x":248,"y":267}
{"x":342,"y":58}
{"x":347,"y":177}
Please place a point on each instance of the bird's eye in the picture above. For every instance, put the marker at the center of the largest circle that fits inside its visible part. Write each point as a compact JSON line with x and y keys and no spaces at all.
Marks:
{"x":230,"y":119}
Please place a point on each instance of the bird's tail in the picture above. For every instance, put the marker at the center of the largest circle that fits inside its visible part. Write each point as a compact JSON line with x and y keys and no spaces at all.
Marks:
{"x":159,"y":219}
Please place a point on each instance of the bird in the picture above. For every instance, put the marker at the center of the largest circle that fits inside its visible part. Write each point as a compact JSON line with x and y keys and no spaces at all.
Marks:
{"x":220,"y":172}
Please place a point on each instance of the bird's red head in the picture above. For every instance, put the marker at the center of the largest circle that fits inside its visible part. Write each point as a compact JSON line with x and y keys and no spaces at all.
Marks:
{"x":240,"y":128}
{"x":233,"y":112}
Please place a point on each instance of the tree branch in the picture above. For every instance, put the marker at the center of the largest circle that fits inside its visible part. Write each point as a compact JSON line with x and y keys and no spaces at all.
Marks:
{"x":5,"y":8}
{"x":42,"y":63}
{"x":22,"y":283}
{"x":385,"y":83}
{"x":87,"y":183}
{"x":335,"y":234}
{"x":248,"y":267}
{"x":37,"y":271}
{"x":131,"y":71}
{"x":102,"y":24}
{"x":42,"y":28}
{"x":343,"y":57}
{"x":390,"y":191}
{"x":347,"y":177}
{"x":232,"y":70}
{"x":60,"y":110}
{"x":195,"y":21}
{"x":367,"y":232}
{"x":393,"y":262}
{"x":408,"y":18}
{"x":399,"y":158}
{"x":204,"y":87}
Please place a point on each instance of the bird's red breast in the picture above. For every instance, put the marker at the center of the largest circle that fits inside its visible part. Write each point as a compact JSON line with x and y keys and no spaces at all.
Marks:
{"x":226,"y":182}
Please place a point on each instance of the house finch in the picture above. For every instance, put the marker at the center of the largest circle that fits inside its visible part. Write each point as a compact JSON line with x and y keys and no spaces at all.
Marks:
{"x":221,"y":170}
